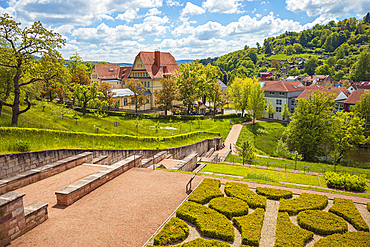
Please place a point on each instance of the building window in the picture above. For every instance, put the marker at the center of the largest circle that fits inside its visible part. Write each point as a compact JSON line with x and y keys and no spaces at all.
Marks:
{"x":292,"y":110}
{"x":278,"y":109}
{"x":147,"y":101}
{"x":148,"y":83}
{"x":271,"y":93}
{"x":292,"y":102}
{"x":278,"y":101}
{"x":125,"y":101}
{"x":280,"y":93}
{"x":144,"y":84}
{"x":271,"y":116}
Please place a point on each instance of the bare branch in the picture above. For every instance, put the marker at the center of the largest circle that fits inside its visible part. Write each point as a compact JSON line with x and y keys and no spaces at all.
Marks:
{"x":5,"y":103}
{"x":28,"y":105}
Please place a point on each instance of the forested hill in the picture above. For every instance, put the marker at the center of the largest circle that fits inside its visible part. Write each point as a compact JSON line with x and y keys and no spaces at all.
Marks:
{"x":331,"y":49}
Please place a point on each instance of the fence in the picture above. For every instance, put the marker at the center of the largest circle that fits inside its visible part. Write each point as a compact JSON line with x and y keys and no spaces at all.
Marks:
{"x":290,"y":167}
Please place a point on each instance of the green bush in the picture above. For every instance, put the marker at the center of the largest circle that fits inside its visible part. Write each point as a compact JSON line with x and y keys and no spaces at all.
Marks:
{"x":288,"y":234}
{"x":206,"y":191}
{"x":368,"y":206}
{"x":201,"y":242}
{"x":209,"y":222}
{"x":346,"y":209}
{"x":321,"y":222}
{"x":22,"y":146}
{"x":349,"y":239}
{"x":305,"y":201}
{"x":274,"y":194}
{"x":250,"y":226}
{"x":229,"y":206}
{"x":345,"y":181}
{"x":241,"y":191}
{"x":174,"y":230}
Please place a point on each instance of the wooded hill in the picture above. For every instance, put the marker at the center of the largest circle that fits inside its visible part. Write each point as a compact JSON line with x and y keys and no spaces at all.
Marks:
{"x":331,"y":49}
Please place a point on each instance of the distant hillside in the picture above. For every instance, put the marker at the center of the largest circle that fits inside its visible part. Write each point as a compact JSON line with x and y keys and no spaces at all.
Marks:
{"x":183,"y":61}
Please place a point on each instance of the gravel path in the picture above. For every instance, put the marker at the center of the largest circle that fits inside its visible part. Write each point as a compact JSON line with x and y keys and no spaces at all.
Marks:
{"x":269,"y":224}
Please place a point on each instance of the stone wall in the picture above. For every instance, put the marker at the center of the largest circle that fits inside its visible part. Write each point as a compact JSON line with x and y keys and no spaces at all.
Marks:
{"x":13,"y":164}
{"x":188,"y":164}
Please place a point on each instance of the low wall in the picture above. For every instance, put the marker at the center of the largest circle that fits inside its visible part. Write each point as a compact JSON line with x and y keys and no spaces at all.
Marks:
{"x":157,"y":158}
{"x":15,"y":219}
{"x":73,"y":192}
{"x":34,"y":175}
{"x":13,"y":164}
{"x":189,"y":163}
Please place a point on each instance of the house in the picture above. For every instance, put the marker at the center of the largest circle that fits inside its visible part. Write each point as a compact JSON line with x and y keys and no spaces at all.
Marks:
{"x":359,"y":85}
{"x":125,"y":99}
{"x":222,"y":85}
{"x":321,"y":80}
{"x":265,"y":75}
{"x":353,"y":98}
{"x":109,"y":73}
{"x":281,"y":92}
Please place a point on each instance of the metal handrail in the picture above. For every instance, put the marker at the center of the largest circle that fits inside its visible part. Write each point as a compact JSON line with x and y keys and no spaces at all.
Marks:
{"x":189,"y":190}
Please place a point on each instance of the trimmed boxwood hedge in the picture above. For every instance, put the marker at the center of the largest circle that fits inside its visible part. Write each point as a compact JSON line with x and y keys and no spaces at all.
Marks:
{"x":206,"y":191}
{"x":349,"y":239}
{"x":288,"y":234}
{"x":305,"y":201}
{"x":174,"y":230}
{"x":346,"y":209}
{"x":321,"y":222}
{"x":200,"y":242}
{"x":209,"y":222}
{"x":274,"y":194}
{"x":241,"y":191}
{"x":229,"y":206}
{"x":345,"y":181}
{"x":251,"y":226}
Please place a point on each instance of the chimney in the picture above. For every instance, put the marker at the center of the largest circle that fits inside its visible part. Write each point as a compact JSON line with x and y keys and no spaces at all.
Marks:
{"x":157,"y":58}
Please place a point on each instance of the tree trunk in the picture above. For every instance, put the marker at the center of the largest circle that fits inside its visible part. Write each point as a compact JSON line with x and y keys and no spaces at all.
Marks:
{"x":84,"y":108}
{"x":1,"y":108}
{"x":15,"y":106}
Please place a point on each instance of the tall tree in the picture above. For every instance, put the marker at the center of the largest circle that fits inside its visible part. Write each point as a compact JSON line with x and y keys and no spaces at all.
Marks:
{"x":108,"y":96}
{"x":80,"y":77}
{"x":361,"y":69}
{"x":6,"y":85}
{"x":246,"y":150}
{"x":323,"y":70}
{"x":88,"y":95}
{"x":186,"y":93}
{"x":139,"y":97}
{"x":18,"y":53}
{"x":309,"y":129}
{"x":285,"y":113}
{"x":216,"y":96}
{"x":310,"y":65}
{"x":238,"y":93}
{"x":256,"y":101}
{"x":270,"y":109}
{"x":166,"y":95}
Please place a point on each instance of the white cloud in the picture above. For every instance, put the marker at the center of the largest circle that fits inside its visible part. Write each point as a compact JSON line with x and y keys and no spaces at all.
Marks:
{"x":64,"y":29}
{"x":153,"y":11}
{"x":258,"y":15}
{"x":128,"y":16}
{"x":223,"y":6}
{"x":171,"y":3}
{"x":331,"y":8}
{"x":191,"y":9}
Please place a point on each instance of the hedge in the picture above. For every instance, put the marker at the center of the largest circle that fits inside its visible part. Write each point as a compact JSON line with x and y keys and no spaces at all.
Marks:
{"x":368,"y":206}
{"x":346,"y":209}
{"x":305,"y":201}
{"x":251,"y":226}
{"x":345,"y":181}
{"x":349,"y":239}
{"x":200,"y":242}
{"x":206,"y":191}
{"x":274,"y":194}
{"x":288,"y":234}
{"x":209,"y":222}
{"x":174,"y":230}
{"x":241,"y":191}
{"x":321,"y":222}
{"x":229,"y":206}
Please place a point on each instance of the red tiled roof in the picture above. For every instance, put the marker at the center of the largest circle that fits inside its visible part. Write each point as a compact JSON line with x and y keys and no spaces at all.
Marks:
{"x":124,"y":72}
{"x":355,"y":96}
{"x":107,"y":71}
{"x":312,"y":78}
{"x":281,"y":86}
{"x":328,"y":92}
{"x":167,"y":64}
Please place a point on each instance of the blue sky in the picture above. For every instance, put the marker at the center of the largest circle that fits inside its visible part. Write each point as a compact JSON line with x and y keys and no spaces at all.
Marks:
{"x":116,"y":31}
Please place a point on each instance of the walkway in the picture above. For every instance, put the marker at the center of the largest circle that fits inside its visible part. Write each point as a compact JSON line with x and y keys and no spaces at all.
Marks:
{"x":126,"y":211}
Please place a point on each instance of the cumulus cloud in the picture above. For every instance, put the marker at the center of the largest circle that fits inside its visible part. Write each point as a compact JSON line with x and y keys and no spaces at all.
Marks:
{"x":223,"y":6}
{"x":171,"y":3}
{"x":191,"y":9}
{"x":128,"y":16}
{"x":331,"y":8}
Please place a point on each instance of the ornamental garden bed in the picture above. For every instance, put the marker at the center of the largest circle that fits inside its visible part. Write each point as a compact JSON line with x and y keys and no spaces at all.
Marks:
{"x":235,"y":216}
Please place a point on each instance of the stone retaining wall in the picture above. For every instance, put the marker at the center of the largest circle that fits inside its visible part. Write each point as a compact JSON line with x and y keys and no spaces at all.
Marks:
{"x":189,"y":163}
{"x":13,"y":164}
{"x":157,"y":158}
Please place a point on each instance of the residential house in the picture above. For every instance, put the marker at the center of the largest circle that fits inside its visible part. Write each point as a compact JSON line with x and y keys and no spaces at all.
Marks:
{"x":321,"y":80}
{"x":126,"y":101}
{"x":353,"y":98}
{"x":265,"y":75}
{"x":359,"y":85}
{"x":112,"y":74}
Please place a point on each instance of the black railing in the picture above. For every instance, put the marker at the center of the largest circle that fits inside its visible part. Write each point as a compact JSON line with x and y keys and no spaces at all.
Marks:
{"x":188,"y":185}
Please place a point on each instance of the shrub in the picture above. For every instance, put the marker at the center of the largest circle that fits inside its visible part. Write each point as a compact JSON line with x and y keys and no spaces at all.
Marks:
{"x":206,"y":191}
{"x":321,"y":222}
{"x":22,"y":146}
{"x":251,"y":226}
{"x":204,"y":243}
{"x":288,"y":234}
{"x":349,"y":239}
{"x":229,"y":206}
{"x":241,"y":191}
{"x":305,"y":201}
{"x":209,"y":222}
{"x":345,"y":181}
{"x":174,"y":230}
{"x":346,"y":209}
{"x":274,"y":194}
{"x":368,"y":206}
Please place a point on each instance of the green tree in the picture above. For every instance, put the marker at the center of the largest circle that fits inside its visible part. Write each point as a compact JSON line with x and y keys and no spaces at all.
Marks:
{"x":361,"y":69}
{"x":6,"y":85}
{"x":270,"y":109}
{"x":137,"y":88}
{"x":323,"y":70}
{"x":309,"y":129}
{"x":285,"y":113}
{"x":88,"y":95}
{"x":21,"y":45}
{"x":108,"y":96}
{"x":239,"y":92}
{"x":166,"y":95}
{"x":298,"y":48}
{"x":75,"y":62}
{"x":282,"y":149}
{"x":246,"y":150}
{"x":296,"y":157}
{"x":347,"y":132}
{"x":186,"y":93}
{"x":310,"y":66}
{"x":216,"y":96}
{"x":256,"y":101}
{"x":80,"y":77}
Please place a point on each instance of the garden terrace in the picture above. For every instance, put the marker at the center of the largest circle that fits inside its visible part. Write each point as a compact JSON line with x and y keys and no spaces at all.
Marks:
{"x":206,"y":191}
{"x":250,"y":225}
{"x":305,"y":201}
{"x":174,"y":230}
{"x":358,"y":239}
{"x":274,"y":194}
{"x":229,"y":206}
{"x":241,"y":191}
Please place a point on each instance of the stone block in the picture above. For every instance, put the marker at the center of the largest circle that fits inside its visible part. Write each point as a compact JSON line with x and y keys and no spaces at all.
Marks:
{"x":18,"y":211}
